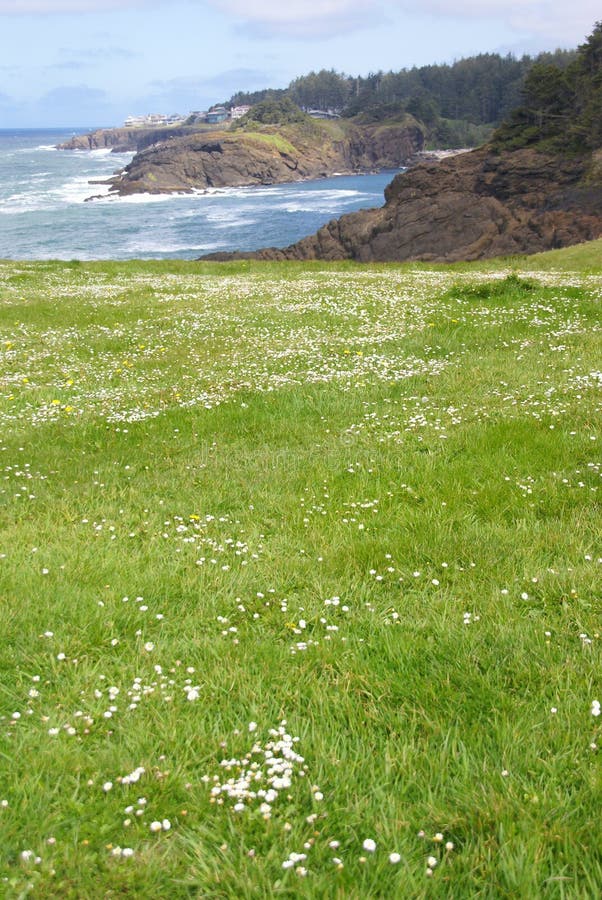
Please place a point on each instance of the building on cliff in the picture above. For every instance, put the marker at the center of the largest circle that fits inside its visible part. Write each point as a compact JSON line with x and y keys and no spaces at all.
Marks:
{"x":237,"y":112}
{"x":217,"y":115}
{"x":153,"y":120}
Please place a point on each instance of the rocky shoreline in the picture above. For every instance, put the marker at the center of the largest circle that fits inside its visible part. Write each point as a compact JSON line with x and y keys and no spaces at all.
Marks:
{"x":198,"y":160}
{"x":448,"y":206}
{"x":470,"y":206}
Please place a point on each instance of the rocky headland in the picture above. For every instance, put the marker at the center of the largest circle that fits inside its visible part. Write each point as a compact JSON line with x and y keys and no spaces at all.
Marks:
{"x":471,"y":206}
{"x":255,"y":155}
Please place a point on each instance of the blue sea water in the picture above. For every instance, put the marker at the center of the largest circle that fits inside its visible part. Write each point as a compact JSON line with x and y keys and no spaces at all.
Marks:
{"x":43,"y":213}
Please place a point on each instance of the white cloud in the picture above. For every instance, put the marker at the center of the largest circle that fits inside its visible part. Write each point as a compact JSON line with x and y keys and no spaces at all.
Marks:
{"x":556,"y":22}
{"x":297,"y":17}
{"x":294,"y":12}
{"x":563,"y":24}
{"x":263,"y":10}
{"x":291,"y":11}
{"x":302,"y":18}
{"x":41,"y":7}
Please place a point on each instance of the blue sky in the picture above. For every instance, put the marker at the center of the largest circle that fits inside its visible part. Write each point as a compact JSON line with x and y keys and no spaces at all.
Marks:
{"x":93,"y":62}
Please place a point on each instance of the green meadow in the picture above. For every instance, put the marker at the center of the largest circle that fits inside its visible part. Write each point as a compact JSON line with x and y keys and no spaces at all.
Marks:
{"x":300,"y":574}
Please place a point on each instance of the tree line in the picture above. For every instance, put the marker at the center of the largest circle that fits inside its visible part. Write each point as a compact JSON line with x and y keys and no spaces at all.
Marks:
{"x":477,"y":91}
{"x":561,"y":106}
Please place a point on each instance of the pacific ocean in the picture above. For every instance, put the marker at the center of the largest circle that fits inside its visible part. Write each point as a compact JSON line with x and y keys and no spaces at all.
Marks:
{"x":43,"y":213}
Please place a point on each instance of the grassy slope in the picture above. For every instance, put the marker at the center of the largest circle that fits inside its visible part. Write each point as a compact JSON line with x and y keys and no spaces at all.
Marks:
{"x":277,"y":141}
{"x":293,"y":139}
{"x":317,"y":133}
{"x":233,"y":448}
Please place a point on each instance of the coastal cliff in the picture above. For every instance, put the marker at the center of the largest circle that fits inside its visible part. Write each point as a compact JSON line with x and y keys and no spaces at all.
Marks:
{"x":266,"y":155}
{"x":472,"y":206}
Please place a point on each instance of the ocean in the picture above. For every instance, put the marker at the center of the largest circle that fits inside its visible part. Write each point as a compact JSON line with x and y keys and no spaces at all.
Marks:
{"x":43,"y":213}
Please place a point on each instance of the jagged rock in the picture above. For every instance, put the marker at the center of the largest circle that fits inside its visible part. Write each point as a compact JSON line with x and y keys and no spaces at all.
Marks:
{"x":476,"y":205}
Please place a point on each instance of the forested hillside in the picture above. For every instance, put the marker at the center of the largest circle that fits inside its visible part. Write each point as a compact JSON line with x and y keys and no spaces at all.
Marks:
{"x":459,"y":103}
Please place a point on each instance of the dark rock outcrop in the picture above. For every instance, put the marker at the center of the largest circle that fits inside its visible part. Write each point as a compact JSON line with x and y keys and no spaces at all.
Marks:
{"x":472,"y":206}
{"x":125,"y":140}
{"x":273,"y":155}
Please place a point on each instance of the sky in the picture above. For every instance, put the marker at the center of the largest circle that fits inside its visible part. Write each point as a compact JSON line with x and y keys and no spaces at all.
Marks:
{"x":88,"y":63}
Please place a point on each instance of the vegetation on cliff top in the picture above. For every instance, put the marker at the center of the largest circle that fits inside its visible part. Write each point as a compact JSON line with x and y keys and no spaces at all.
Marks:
{"x":275,"y":119}
{"x":273,"y":112}
{"x":281,"y":122}
{"x":275,"y":139}
{"x":459,"y":103}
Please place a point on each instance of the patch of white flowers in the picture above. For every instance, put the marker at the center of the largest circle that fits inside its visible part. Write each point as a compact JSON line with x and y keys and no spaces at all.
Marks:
{"x":257,"y":779}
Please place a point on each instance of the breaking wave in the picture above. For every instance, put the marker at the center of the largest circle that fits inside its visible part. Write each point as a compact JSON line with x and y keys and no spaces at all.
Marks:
{"x":44,"y":213}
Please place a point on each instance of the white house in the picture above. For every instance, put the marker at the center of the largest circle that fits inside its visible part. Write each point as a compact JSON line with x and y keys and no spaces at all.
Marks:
{"x":237,"y":112}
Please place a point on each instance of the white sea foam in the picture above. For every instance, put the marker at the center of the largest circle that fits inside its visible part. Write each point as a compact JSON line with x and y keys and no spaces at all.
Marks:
{"x":77,"y":190}
{"x":323,"y":204}
{"x":184,"y":214}
{"x":251,"y":191}
{"x":26,"y":202}
{"x":226,"y":217}
{"x":43,"y":215}
{"x":141,"y":198}
{"x":82,"y":188}
{"x":224,"y":191}
{"x":334,"y":194}
{"x":263,"y":190}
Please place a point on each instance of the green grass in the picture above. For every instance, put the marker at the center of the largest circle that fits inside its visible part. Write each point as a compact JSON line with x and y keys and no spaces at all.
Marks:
{"x":581,"y":257}
{"x":277,"y":141}
{"x":363,"y":500}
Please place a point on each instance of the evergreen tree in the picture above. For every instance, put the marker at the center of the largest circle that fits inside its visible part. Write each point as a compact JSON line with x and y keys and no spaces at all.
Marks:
{"x":561,"y":108}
